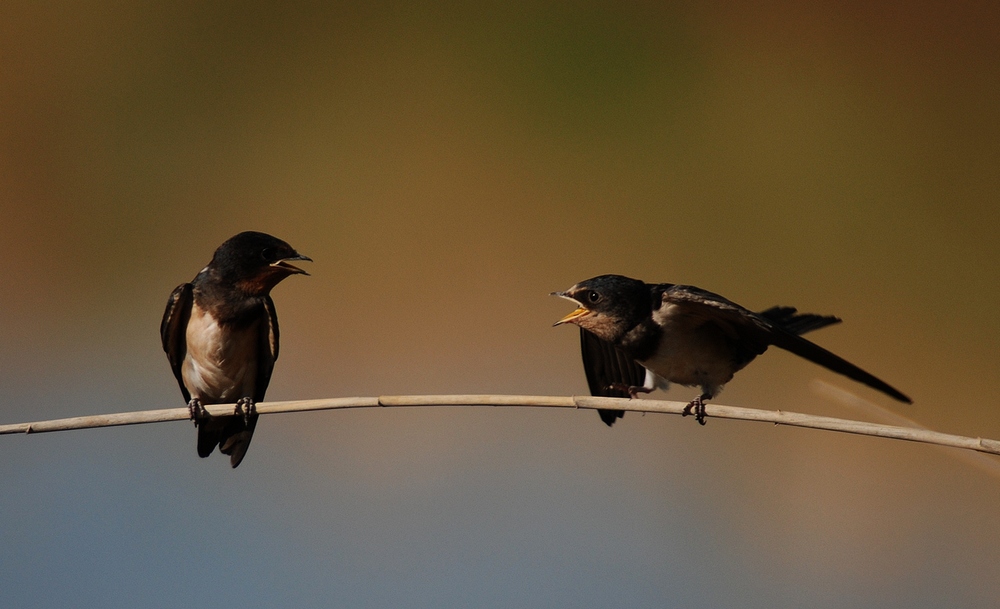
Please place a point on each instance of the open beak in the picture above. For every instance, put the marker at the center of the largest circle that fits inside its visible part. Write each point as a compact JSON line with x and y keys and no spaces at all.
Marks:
{"x":285,"y":265}
{"x":579,"y":312}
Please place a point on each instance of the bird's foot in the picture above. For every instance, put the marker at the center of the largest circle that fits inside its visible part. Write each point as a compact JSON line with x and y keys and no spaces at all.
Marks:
{"x":696,"y":405}
{"x":197,"y":411}
{"x":632,"y":390}
{"x":245,"y":408}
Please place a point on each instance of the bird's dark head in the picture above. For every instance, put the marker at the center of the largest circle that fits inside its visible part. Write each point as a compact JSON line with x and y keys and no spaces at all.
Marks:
{"x":255,"y":262}
{"x":608,"y":305}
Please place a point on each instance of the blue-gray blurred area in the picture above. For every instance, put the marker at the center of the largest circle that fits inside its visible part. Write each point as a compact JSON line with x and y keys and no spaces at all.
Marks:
{"x":447,"y":166}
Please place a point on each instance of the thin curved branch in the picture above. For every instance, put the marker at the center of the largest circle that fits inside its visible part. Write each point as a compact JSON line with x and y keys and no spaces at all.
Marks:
{"x":776,"y":417}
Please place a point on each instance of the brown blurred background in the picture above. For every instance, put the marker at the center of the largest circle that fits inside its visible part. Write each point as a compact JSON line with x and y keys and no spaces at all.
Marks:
{"x":447,"y":166}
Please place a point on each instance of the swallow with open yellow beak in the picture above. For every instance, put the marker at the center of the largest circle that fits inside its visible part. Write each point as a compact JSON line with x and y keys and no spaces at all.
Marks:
{"x":637,"y":337}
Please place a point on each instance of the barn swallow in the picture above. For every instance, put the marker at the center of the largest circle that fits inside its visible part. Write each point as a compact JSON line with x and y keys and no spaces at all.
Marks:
{"x":637,"y":337}
{"x":220,"y":333}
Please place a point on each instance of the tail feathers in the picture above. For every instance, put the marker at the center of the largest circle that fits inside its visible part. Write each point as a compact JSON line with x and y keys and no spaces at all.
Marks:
{"x":232,"y":434}
{"x":610,"y":416}
{"x":818,"y":355}
{"x":208,"y":438}
{"x":798,"y":323}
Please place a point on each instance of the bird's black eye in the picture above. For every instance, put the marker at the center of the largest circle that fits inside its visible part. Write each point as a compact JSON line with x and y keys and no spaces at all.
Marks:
{"x":267,"y":254}
{"x":593,"y":297}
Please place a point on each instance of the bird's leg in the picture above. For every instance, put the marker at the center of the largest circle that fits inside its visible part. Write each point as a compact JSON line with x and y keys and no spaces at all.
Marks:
{"x":633,"y":390}
{"x":698,"y":406}
{"x":197,"y":411}
{"x":245,"y":408}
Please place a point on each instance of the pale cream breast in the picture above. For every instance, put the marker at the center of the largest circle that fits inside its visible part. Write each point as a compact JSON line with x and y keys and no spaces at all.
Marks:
{"x":221,"y":364}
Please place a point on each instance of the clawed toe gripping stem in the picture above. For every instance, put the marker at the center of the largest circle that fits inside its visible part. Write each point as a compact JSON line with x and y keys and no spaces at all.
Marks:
{"x":697,"y":406}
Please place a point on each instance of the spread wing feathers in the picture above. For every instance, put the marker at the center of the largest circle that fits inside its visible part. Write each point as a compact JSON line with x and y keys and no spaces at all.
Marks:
{"x":756,"y":331}
{"x":173,"y":329}
{"x":605,"y":365}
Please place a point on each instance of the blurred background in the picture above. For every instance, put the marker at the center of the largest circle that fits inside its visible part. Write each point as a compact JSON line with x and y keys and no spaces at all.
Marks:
{"x":447,"y":166}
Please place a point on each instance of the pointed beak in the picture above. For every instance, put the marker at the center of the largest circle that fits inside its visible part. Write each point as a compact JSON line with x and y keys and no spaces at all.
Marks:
{"x":285,"y":265}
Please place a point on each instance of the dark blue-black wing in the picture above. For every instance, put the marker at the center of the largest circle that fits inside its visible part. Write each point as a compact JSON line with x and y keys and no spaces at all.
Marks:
{"x":173,"y":330}
{"x":608,"y":371}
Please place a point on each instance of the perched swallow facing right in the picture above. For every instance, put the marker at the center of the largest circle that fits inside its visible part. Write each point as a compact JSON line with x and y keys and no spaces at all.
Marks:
{"x":220,"y":333}
{"x":637,"y":337}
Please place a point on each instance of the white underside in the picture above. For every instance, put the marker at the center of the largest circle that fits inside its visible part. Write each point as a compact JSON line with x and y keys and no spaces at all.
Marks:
{"x":654,"y":381}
